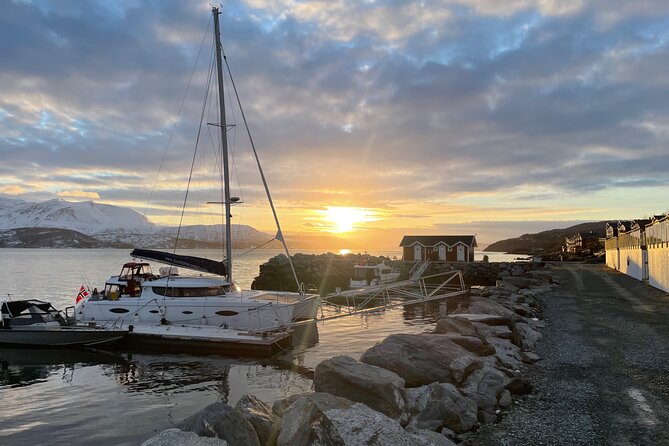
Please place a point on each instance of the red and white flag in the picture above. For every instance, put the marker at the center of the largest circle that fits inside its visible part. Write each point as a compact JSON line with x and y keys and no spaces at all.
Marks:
{"x":82,"y":294}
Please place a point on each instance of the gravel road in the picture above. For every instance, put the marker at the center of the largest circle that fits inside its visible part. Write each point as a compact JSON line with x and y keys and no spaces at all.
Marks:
{"x":604,"y":376}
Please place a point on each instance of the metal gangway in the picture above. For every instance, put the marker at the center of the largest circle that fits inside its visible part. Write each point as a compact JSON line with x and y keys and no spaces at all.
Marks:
{"x":382,"y":297}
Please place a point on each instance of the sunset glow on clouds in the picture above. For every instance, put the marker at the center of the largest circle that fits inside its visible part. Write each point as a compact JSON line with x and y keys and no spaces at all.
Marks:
{"x":423,"y":117}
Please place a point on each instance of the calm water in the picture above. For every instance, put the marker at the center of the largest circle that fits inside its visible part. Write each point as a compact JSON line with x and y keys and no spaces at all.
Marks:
{"x":55,"y":397}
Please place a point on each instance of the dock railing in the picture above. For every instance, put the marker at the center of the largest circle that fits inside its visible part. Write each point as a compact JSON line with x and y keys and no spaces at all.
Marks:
{"x":407,"y":292}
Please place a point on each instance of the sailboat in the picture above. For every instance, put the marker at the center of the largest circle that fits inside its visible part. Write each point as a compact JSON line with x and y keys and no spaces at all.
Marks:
{"x":137,"y":296}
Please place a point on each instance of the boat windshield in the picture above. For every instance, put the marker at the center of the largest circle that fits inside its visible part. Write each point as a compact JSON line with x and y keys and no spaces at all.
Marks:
{"x":192,"y":291}
{"x":35,"y":315}
{"x":364,"y":273}
{"x":132,"y":270}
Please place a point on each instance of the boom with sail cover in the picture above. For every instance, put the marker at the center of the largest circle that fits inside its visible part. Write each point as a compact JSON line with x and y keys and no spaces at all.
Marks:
{"x":190,"y":262}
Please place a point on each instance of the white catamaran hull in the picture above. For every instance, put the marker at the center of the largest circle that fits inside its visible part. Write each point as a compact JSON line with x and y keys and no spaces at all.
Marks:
{"x":268,"y":311}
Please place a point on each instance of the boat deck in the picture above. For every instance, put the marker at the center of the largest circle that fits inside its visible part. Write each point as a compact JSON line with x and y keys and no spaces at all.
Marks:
{"x":208,"y":339}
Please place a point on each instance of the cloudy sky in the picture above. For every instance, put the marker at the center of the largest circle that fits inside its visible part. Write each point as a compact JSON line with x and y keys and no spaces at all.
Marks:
{"x":486,"y":116}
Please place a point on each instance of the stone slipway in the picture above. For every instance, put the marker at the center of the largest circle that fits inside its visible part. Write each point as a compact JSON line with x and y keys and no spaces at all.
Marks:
{"x":604,"y":374}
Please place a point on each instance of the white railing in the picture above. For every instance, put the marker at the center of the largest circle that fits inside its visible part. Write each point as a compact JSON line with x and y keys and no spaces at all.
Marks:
{"x":418,"y":269}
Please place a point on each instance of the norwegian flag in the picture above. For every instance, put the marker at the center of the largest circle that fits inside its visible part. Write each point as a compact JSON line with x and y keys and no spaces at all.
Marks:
{"x":82,"y":294}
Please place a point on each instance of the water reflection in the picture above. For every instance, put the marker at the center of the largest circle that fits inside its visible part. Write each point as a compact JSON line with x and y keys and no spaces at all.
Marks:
{"x":426,"y":313}
{"x":61,"y":390}
{"x":20,"y":367}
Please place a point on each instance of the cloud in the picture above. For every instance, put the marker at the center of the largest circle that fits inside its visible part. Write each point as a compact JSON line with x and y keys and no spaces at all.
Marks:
{"x":450,"y":110}
{"x":70,"y":194}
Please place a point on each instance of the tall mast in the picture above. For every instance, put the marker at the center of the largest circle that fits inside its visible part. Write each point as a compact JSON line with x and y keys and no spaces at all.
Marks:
{"x":224,"y":144}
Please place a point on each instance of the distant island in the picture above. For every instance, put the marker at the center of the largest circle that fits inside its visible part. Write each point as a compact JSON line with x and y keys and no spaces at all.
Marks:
{"x":546,"y":241}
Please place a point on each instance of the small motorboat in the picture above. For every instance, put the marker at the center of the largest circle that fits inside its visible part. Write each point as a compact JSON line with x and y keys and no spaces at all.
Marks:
{"x":37,"y":323}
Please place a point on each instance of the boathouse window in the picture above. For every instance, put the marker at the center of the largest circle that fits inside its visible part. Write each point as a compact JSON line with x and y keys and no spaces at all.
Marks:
{"x":191,"y":292}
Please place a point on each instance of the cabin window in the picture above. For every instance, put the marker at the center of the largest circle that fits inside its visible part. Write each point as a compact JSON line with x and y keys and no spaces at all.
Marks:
{"x":191,"y":292}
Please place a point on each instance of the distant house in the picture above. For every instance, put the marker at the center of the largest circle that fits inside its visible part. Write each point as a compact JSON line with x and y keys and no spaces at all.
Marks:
{"x":447,"y":248}
{"x":583,"y":241}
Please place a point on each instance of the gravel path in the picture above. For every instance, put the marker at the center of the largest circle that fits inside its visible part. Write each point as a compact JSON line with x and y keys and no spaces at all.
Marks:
{"x":604,"y":376}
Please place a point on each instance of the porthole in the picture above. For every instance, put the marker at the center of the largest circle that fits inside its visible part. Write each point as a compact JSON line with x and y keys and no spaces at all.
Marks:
{"x":227,"y":313}
{"x":119,"y":310}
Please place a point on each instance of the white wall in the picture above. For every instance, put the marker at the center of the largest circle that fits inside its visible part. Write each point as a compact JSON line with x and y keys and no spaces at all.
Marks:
{"x":631,"y":262}
{"x":612,"y":258}
{"x":658,"y":267}
{"x":612,"y":255}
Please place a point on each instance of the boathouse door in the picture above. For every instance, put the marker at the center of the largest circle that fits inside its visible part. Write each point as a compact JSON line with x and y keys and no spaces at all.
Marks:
{"x":442,"y":252}
{"x":417,"y":252}
{"x":461,"y":253}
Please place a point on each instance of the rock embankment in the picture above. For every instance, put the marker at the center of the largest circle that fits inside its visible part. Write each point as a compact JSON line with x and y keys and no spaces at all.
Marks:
{"x":434,"y":388}
{"x":326,"y":272}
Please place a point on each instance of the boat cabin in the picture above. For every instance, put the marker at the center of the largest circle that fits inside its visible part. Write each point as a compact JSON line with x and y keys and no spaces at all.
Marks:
{"x":371,"y":275}
{"x":29,"y":312}
{"x":167,"y":287}
{"x":128,"y":282}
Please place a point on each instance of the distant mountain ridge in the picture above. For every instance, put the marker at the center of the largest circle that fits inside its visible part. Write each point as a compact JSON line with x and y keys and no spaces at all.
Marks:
{"x":546,"y":241}
{"x":103,"y":225}
{"x":86,"y":217}
{"x":87,"y":224}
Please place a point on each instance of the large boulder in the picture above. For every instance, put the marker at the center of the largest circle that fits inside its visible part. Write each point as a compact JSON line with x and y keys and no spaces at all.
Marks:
{"x":474,"y":344}
{"x":485,"y":386}
{"x":221,"y":421}
{"x":508,"y":354}
{"x":519,"y":282}
{"x":448,"y":324}
{"x":487,"y":306}
{"x":487,"y":319}
{"x":261,"y":417}
{"x":280,"y":406}
{"x":378,"y":388}
{"x":497,"y":331}
{"x":423,"y":358}
{"x":526,"y":336}
{"x":359,"y":425}
{"x":302,"y":421}
{"x":171,"y":437}
{"x":440,"y":405}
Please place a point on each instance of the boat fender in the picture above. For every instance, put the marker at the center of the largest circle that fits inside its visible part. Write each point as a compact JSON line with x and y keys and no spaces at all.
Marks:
{"x":203,"y":321}
{"x":131,"y":328}
{"x":136,"y":317}
{"x":164,"y":321}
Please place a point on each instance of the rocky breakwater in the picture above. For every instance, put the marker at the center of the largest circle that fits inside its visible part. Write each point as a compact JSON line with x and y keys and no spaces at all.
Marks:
{"x":433,"y":388}
{"x":325,"y":272}
{"x":487,"y":273}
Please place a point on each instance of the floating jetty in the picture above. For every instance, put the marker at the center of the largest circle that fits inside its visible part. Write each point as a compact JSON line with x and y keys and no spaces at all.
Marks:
{"x":208,"y":339}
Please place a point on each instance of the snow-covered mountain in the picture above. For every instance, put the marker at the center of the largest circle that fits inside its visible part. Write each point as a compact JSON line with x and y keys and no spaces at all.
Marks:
{"x":115,"y":226}
{"x":163,"y":237}
{"x":86,"y":217}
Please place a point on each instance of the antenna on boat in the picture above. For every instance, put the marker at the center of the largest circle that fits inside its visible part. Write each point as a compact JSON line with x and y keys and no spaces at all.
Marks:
{"x":224,"y":143}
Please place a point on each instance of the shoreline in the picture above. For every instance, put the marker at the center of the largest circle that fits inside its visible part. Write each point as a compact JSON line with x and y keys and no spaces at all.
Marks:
{"x":406,"y":384}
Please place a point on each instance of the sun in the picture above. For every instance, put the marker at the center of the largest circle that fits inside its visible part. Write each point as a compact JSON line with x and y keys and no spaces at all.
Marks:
{"x":345,"y":219}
